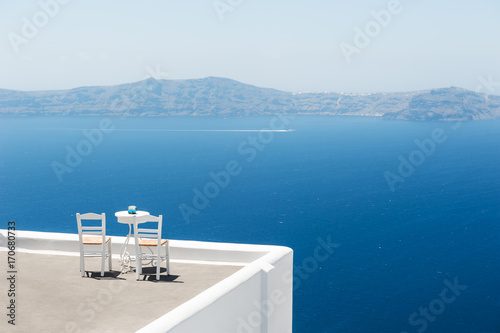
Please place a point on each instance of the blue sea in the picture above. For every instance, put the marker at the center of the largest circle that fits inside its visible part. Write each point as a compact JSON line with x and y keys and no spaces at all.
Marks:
{"x":413,"y":208}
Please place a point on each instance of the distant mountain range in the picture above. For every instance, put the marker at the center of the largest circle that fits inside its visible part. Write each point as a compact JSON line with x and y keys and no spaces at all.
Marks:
{"x":214,"y":96}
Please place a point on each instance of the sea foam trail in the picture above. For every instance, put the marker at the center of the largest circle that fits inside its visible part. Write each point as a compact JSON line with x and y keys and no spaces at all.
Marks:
{"x":172,"y":130}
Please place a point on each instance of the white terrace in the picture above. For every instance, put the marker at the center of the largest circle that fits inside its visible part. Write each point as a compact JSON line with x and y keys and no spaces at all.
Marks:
{"x":213,"y":287}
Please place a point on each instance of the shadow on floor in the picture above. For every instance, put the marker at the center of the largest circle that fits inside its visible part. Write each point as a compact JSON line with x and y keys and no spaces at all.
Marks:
{"x":108,"y":275}
{"x":149,"y":274}
{"x":163,"y":278}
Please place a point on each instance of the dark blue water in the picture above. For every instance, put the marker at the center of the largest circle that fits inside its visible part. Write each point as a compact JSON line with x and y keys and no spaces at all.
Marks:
{"x":397,"y":250}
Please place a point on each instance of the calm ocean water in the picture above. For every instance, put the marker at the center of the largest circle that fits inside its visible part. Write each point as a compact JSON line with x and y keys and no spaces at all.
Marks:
{"x":421,"y":256}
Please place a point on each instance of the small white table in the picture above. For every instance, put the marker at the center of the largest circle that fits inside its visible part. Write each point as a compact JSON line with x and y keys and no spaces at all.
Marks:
{"x":130,"y":219}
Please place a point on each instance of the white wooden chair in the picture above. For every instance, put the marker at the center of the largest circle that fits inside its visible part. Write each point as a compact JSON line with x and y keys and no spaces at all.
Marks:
{"x":97,"y":232}
{"x":149,"y":238}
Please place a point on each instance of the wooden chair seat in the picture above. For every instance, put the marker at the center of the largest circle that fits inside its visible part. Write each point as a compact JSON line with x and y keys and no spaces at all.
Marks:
{"x":94,"y":240}
{"x":151,"y":242}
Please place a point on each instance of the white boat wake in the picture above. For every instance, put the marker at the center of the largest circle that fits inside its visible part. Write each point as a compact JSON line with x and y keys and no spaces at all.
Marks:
{"x":171,"y":130}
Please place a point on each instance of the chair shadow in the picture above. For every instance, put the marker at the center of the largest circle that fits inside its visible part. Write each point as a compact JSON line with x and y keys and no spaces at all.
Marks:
{"x":163,"y":278}
{"x":149,"y":274}
{"x":108,"y":275}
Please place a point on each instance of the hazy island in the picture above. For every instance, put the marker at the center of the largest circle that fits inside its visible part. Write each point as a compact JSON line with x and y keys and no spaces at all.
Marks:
{"x":213,"y":96}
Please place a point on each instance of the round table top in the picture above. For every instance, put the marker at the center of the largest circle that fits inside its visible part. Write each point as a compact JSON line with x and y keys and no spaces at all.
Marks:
{"x":124,"y":216}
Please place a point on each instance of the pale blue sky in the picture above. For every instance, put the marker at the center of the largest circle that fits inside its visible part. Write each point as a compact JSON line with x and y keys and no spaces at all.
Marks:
{"x":289,"y":45}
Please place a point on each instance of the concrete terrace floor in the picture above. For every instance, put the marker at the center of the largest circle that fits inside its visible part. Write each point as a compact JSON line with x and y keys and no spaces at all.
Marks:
{"x":51,"y":295}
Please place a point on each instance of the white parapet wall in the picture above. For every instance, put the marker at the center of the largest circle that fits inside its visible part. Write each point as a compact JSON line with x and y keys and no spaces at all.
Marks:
{"x":255,"y":299}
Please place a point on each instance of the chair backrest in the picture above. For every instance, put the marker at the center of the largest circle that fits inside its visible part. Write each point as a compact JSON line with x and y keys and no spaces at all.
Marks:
{"x":90,"y":227}
{"x":148,"y":233}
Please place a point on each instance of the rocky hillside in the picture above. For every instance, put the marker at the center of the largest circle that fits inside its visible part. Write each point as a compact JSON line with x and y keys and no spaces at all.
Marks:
{"x":224,"y":97}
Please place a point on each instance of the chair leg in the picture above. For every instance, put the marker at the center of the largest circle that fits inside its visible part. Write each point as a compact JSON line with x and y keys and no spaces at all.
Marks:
{"x":138,"y":262}
{"x":82,"y":264}
{"x":138,"y":269}
{"x":158,"y":264}
{"x":110,"y":259}
{"x":168,"y":258}
{"x":103,"y":262}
